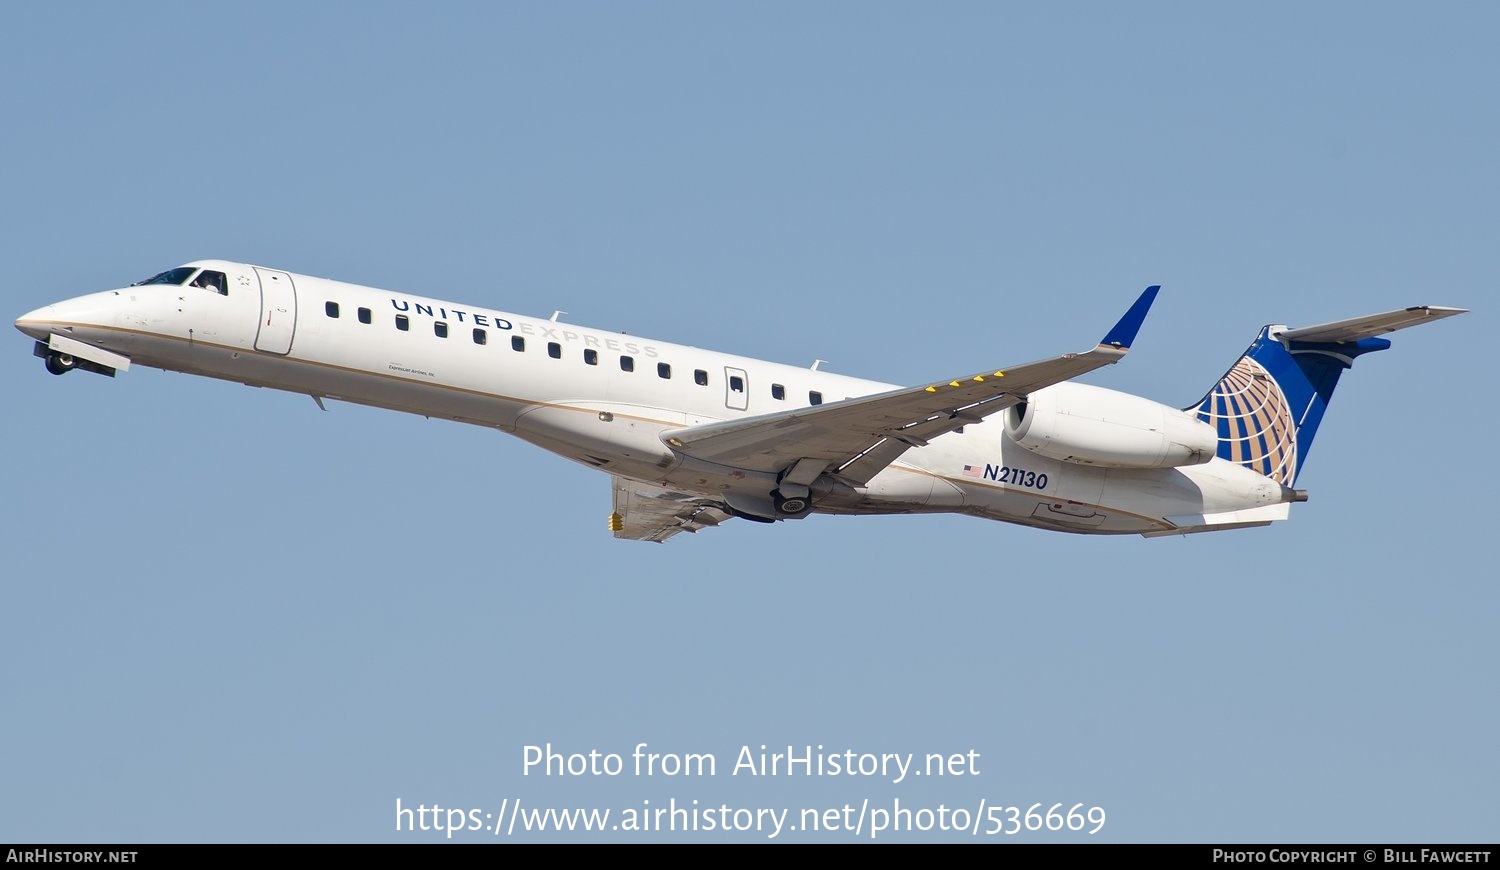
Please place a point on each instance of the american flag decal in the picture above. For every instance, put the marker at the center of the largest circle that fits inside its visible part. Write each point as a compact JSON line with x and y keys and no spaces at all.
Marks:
{"x":973,"y":471}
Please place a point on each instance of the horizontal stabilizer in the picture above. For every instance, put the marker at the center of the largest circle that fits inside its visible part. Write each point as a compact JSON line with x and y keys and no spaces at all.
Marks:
{"x":1370,"y":325}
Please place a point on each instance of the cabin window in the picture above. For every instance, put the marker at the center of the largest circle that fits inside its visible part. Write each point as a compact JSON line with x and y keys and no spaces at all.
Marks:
{"x":663,"y":370}
{"x":517,"y":343}
{"x":215,"y":281}
{"x":700,"y":377}
{"x":331,"y":309}
{"x":554,"y":350}
{"x":627,"y":363}
{"x":364,"y":315}
{"x":591,"y":356}
{"x":736,"y":384}
{"x":402,"y":323}
{"x":440,"y":329}
{"x":814,"y":397}
{"x":778,"y":391}
{"x":481,"y":337}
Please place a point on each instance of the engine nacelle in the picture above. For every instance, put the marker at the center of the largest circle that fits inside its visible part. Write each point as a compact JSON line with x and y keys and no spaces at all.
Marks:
{"x":1094,"y":426}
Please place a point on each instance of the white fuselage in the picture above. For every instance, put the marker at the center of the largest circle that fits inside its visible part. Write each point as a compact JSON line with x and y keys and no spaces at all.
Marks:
{"x":566,"y":388}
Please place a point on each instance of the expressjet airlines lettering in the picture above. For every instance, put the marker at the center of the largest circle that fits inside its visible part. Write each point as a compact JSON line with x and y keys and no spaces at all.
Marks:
{"x":549,"y":331}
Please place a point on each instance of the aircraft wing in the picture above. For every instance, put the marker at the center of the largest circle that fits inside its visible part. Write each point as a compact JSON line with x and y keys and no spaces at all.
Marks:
{"x":645,"y":512}
{"x":856,"y":438}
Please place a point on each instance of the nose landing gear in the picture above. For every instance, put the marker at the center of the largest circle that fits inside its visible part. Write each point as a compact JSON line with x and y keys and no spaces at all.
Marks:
{"x":60,"y":363}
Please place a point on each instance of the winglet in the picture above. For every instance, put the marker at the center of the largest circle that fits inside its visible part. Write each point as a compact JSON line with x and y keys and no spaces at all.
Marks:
{"x":1124,"y":332}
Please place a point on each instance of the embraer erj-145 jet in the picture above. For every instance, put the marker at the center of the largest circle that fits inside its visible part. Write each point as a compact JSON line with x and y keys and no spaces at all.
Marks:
{"x":693,"y":438}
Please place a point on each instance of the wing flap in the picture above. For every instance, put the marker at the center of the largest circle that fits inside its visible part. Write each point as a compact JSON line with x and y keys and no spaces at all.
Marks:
{"x":646,"y":512}
{"x":858,"y":437}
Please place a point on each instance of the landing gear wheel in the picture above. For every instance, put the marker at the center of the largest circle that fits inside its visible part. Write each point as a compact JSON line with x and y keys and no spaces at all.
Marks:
{"x":60,"y":363}
{"x":793,"y":507}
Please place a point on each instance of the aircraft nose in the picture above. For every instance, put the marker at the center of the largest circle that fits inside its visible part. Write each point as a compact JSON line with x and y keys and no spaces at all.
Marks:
{"x":33,"y":323}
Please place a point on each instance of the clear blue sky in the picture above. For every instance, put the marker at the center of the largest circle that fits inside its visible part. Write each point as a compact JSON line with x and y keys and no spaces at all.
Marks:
{"x":230,"y":617}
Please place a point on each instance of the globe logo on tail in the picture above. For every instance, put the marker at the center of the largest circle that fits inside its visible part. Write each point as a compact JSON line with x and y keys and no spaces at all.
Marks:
{"x":1254,"y":422}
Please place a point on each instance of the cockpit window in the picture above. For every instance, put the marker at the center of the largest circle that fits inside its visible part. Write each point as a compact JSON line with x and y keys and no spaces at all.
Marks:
{"x":171,"y":276}
{"x":211,"y":280}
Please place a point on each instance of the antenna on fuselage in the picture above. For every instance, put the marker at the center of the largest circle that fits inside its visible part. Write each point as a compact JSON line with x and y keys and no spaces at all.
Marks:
{"x":818,"y":362}
{"x":555,"y":315}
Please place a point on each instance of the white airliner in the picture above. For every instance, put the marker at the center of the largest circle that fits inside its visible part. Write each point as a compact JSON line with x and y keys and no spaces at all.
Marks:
{"x":693,"y":437}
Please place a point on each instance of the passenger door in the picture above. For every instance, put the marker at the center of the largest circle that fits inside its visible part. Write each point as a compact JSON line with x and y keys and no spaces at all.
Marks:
{"x":278,"y":312}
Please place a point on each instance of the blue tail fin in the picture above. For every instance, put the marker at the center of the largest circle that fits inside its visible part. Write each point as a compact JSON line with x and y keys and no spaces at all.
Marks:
{"x":1268,"y":407}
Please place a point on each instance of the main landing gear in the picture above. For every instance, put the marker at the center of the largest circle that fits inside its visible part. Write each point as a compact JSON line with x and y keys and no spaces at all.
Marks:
{"x":760,"y":509}
{"x":791,"y":507}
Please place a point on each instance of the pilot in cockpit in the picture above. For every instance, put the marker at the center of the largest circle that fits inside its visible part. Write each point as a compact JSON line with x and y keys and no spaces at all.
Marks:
{"x":210,"y":280}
